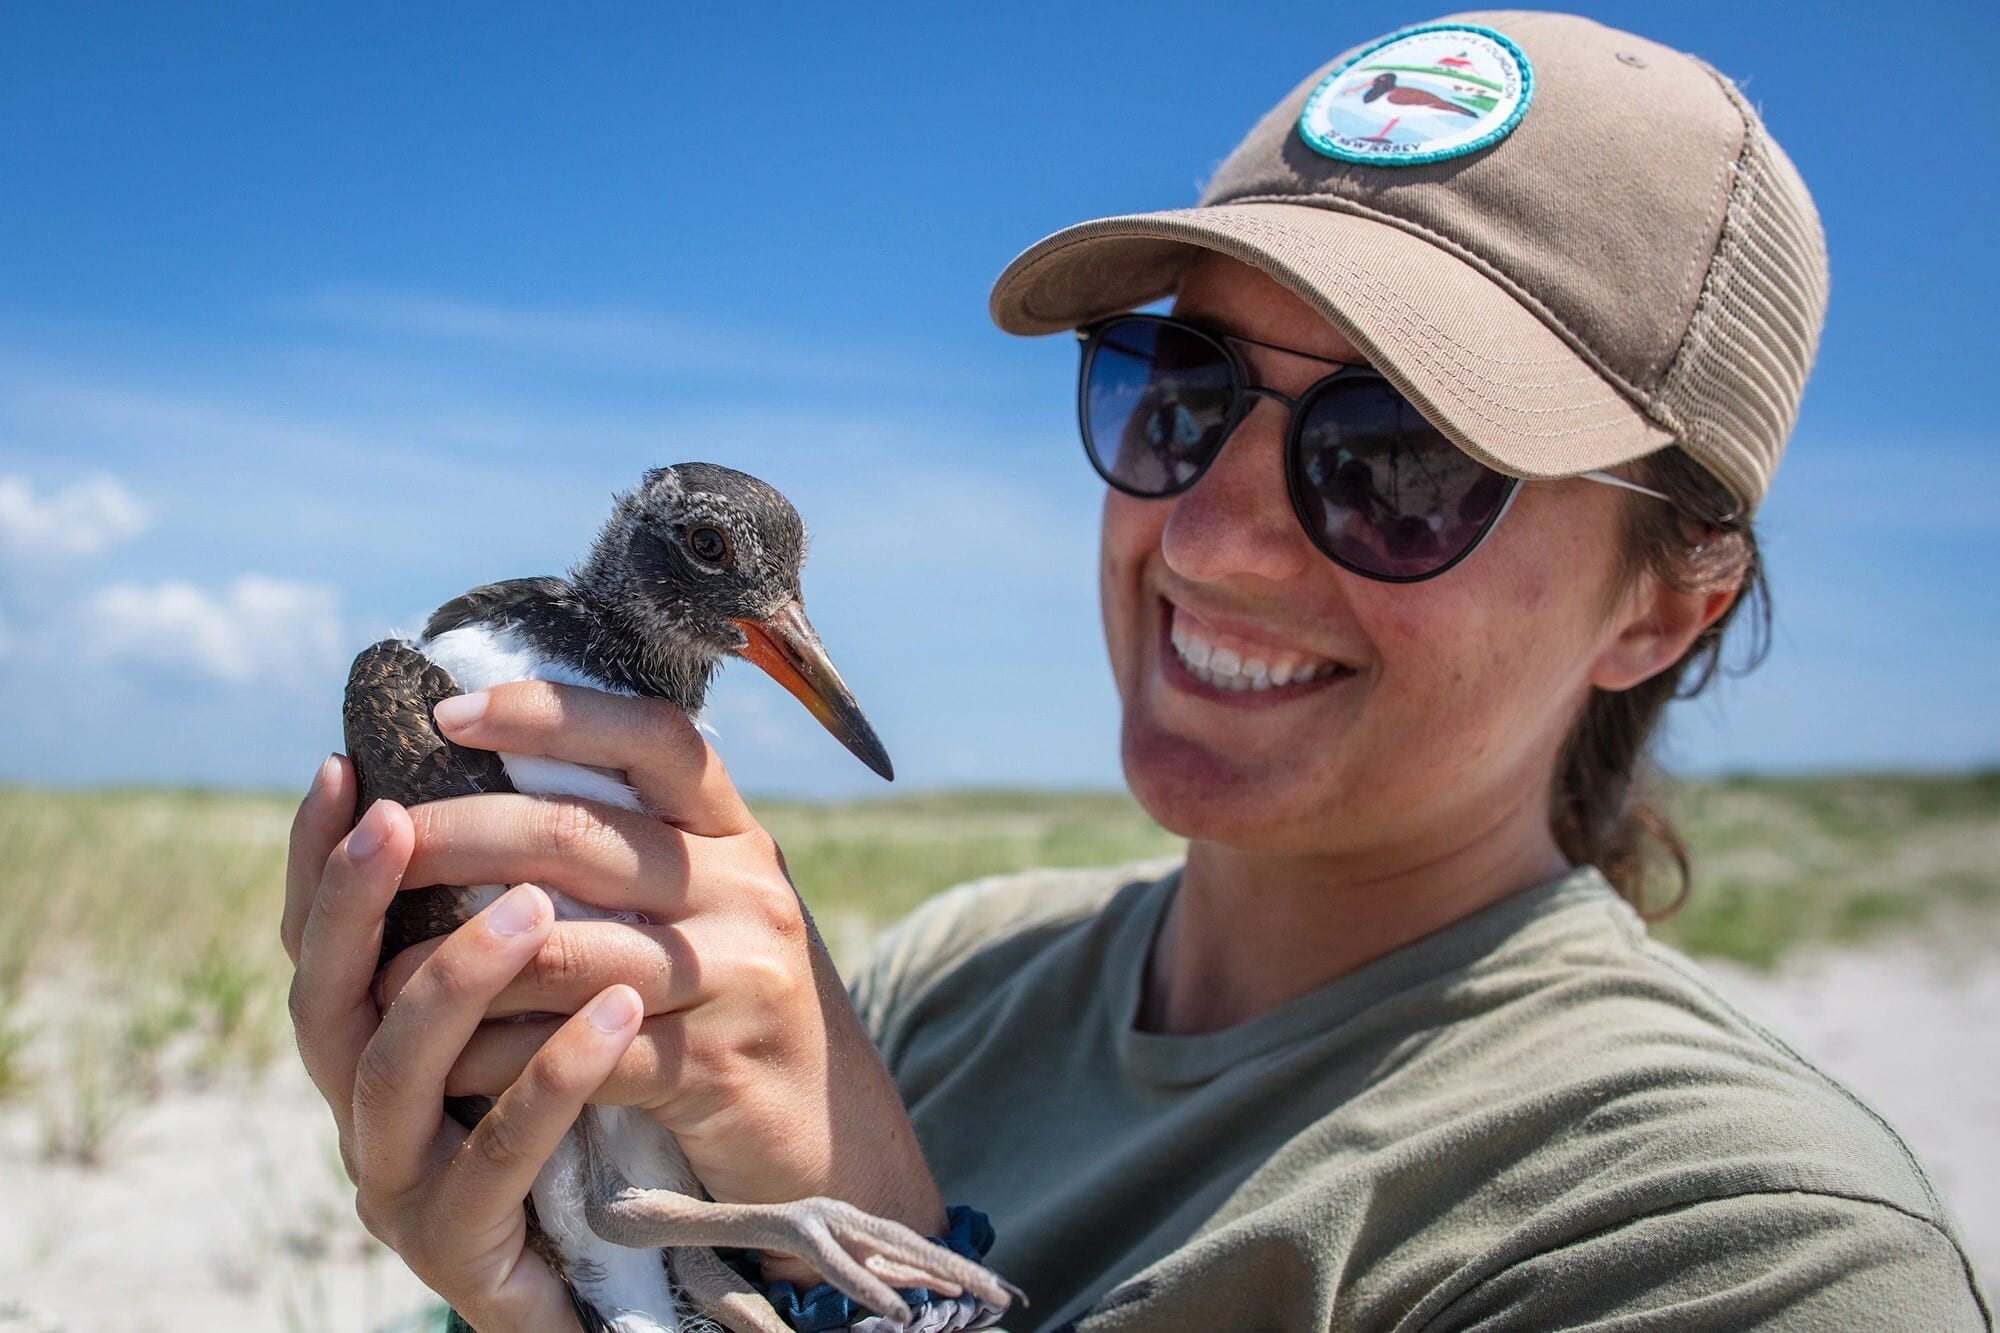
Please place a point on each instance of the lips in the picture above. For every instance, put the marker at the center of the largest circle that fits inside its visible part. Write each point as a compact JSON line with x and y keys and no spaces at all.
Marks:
{"x":1236,"y":664}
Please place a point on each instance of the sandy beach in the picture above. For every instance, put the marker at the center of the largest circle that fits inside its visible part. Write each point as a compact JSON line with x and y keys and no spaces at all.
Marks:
{"x":224,"y":1207}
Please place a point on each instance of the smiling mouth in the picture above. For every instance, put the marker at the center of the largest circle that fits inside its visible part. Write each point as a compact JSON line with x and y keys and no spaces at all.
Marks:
{"x":1224,"y":663}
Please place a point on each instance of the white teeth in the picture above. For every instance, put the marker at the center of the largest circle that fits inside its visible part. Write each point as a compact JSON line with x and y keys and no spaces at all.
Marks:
{"x":1226,"y":669}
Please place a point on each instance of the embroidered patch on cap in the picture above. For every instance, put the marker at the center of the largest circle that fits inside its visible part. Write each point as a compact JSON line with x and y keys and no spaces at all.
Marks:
{"x":1420,"y":95}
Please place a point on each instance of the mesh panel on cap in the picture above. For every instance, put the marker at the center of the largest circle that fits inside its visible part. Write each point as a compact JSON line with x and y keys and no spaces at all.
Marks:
{"x":1733,"y":390}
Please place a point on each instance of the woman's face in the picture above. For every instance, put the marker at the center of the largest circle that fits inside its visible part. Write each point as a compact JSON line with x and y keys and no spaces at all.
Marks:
{"x":1430,"y":714}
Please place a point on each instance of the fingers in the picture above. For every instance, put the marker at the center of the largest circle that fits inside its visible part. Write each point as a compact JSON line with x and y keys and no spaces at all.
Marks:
{"x":501,"y":1053}
{"x":323,"y":818}
{"x":332,"y":1006}
{"x":577,"y":961}
{"x":661,"y":754}
{"x":497,"y":1166}
{"x":399,"y":1080}
{"x":619,"y":860}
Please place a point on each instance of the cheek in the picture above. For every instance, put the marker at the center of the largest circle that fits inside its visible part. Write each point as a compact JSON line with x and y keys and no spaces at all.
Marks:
{"x":1482,"y":671}
{"x":1130,"y":528}
{"x":1129,"y":536}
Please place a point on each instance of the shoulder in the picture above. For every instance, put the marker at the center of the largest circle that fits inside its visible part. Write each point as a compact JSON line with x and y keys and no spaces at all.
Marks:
{"x":1628,"y":1053}
{"x":1580,"y":1115}
{"x":974,"y":936}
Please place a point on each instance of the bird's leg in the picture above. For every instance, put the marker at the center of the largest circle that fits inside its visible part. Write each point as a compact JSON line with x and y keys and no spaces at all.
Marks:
{"x":713,"y":1288}
{"x":857,"y":1252}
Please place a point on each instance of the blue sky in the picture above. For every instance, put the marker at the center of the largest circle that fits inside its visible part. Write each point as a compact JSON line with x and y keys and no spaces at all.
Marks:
{"x":312,"y":317}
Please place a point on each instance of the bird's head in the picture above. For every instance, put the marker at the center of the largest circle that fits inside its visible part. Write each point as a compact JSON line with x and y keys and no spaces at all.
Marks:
{"x":701,"y":561}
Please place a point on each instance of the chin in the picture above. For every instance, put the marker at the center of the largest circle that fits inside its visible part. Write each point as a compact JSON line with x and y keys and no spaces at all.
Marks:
{"x":1194,"y":793}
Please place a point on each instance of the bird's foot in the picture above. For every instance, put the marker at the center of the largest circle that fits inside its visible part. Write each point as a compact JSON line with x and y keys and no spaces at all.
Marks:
{"x":865,"y":1256}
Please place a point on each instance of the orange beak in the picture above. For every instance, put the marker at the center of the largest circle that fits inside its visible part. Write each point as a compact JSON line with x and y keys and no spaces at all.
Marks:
{"x":788,"y":649}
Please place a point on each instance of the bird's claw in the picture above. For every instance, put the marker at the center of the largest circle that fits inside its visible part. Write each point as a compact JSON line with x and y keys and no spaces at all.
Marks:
{"x":863,"y":1255}
{"x":867,"y":1257}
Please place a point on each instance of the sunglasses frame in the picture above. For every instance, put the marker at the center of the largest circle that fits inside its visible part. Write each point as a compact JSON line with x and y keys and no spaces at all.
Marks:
{"x":1244,"y":396}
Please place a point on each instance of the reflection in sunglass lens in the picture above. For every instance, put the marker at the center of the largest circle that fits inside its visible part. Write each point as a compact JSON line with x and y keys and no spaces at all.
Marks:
{"x":1156,"y":399}
{"x":1388,"y":493}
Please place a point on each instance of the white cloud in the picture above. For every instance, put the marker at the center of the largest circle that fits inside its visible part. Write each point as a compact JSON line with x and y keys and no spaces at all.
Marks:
{"x":455,"y":320}
{"x":604,"y":336}
{"x":259,"y":629}
{"x":82,"y":520}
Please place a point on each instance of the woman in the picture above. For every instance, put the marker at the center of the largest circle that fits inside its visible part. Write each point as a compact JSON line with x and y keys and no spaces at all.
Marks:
{"x":1435,"y":483}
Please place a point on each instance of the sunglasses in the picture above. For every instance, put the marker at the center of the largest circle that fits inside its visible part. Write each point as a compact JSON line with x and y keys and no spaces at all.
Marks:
{"x":1378,"y":488}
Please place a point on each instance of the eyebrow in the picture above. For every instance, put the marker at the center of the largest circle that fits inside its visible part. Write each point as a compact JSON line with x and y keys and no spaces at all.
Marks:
{"x":1224,"y":331}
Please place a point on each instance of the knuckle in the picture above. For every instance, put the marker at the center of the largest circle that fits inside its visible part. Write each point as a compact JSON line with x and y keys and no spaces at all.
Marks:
{"x":440,"y":980}
{"x":383,"y":1216}
{"x":775,"y":907}
{"x":499,"y":1142}
{"x":370,"y":1214}
{"x":374,"y":1085}
{"x":520,"y":703}
{"x":556,"y":965}
{"x":768,"y":979}
{"x":571,"y":828}
{"x":715,"y":1077}
{"x":440,"y":826}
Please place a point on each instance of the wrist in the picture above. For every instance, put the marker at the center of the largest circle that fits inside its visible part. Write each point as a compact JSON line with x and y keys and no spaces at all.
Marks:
{"x":559,"y":1317}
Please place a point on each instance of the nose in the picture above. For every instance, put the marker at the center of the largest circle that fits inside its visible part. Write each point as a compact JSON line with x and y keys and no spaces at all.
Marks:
{"x":1237,"y":521}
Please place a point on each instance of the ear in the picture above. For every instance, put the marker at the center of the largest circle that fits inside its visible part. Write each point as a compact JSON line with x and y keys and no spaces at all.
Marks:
{"x":1655,"y":625}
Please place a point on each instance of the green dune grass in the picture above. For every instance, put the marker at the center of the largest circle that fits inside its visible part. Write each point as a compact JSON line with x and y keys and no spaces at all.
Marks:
{"x":138,"y":928}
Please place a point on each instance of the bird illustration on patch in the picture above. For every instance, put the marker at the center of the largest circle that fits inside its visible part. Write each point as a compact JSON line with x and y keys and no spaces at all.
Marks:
{"x":697,"y":563}
{"x":1421,"y":95}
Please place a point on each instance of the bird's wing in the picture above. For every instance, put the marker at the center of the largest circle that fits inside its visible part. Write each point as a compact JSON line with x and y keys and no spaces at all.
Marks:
{"x":479,"y":604}
{"x":399,"y":755}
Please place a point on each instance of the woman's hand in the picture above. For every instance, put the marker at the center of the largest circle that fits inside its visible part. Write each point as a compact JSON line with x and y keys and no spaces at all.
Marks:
{"x":447,"y":1199}
{"x":750,"y":1052}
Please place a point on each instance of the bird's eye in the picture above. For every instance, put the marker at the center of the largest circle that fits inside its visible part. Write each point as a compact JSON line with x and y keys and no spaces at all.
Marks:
{"x":708,"y":544}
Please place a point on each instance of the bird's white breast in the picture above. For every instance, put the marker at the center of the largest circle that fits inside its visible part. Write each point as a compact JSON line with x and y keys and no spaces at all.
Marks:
{"x":478,"y":656}
{"x":629,"y":1287}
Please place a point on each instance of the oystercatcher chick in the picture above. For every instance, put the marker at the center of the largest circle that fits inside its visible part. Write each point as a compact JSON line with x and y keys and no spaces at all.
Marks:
{"x":696,"y":564}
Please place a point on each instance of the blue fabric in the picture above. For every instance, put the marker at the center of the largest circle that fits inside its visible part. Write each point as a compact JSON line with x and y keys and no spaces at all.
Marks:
{"x":826,"y":1307}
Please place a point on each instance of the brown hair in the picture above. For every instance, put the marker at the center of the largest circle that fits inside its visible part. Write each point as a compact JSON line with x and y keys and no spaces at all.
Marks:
{"x":1605,"y":809}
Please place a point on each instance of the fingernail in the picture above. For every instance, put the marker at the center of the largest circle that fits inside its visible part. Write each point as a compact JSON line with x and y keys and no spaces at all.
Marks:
{"x":369,"y":835}
{"x":614,"y":1009}
{"x":461,"y":710}
{"x":327,"y":767}
{"x":519,"y":910}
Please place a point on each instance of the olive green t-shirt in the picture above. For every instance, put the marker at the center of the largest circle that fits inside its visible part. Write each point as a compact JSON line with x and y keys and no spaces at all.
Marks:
{"x":1536,"y":1118}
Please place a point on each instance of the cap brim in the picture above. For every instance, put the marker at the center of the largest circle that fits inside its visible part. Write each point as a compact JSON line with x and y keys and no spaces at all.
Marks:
{"x":1500,"y":383}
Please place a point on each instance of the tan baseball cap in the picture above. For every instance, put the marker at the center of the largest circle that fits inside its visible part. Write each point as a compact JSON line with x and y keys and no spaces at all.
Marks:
{"x":1567,"y":245}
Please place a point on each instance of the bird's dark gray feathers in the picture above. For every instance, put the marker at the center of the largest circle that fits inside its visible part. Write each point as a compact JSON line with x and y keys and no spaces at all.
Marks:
{"x":504,"y":602}
{"x":399,"y":755}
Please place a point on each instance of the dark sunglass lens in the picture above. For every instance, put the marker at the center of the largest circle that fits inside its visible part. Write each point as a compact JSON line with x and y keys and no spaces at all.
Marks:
{"x":1155,"y":400}
{"x":1388,"y":493}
